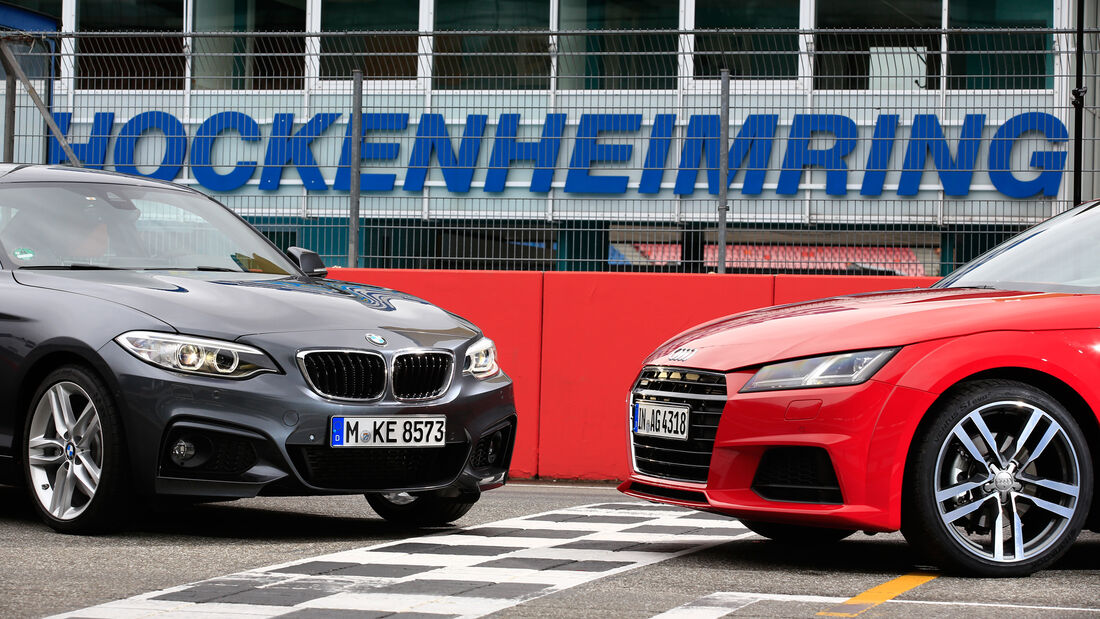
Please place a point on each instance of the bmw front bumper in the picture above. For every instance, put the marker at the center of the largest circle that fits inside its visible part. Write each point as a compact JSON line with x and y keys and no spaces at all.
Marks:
{"x":269,"y":435}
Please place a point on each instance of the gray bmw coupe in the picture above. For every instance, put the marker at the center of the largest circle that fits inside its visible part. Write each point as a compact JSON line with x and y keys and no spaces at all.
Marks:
{"x":153,"y":343}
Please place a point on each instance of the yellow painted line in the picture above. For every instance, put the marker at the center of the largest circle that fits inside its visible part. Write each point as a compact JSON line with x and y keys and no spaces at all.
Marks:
{"x":877,"y":595}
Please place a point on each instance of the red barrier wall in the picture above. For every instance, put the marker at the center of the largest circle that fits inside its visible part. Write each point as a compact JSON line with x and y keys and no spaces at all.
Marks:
{"x":795,"y":288}
{"x":597,"y":329}
{"x":574,"y":342}
{"x":507,"y":306}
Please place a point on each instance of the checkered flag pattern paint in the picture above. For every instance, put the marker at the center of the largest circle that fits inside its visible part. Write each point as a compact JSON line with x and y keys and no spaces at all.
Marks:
{"x":467,"y":572}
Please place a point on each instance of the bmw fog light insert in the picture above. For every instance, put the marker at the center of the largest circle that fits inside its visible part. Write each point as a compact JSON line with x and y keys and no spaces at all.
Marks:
{"x":196,"y":355}
{"x":850,"y":368}
{"x":481,"y":359}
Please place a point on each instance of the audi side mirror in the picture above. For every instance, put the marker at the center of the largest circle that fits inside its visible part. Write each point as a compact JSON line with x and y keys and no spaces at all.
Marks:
{"x":308,"y":261}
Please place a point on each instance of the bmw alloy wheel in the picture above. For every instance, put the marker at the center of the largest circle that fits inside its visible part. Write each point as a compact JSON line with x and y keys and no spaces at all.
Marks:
{"x":65,"y":450}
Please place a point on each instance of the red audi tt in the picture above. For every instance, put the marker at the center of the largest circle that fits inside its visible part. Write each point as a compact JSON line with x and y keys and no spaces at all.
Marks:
{"x":965,"y":415}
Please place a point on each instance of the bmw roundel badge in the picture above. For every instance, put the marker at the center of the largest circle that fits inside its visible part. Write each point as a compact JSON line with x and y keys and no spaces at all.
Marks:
{"x":377,"y":340}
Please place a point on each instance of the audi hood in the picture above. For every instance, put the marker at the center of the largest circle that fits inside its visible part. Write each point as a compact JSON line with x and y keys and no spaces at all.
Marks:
{"x":875,"y":320}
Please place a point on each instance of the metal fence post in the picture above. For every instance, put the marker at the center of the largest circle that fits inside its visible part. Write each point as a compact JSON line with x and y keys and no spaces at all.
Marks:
{"x":723,"y":169}
{"x":356,"y":166}
{"x":9,"y":118}
{"x":1079,"y":103}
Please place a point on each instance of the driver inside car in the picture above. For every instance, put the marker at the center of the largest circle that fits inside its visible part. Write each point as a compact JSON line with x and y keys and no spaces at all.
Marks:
{"x":66,"y":234}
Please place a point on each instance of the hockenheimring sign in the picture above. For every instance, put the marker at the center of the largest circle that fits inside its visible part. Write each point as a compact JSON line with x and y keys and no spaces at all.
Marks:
{"x":1024,"y":156}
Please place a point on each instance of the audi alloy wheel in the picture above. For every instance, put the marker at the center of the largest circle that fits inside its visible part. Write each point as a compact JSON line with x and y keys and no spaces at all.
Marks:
{"x":1001,"y":482}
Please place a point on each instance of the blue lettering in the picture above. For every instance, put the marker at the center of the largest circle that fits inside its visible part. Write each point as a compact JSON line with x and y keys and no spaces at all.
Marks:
{"x":543,"y":152}
{"x":882,"y":146}
{"x":132,"y":131}
{"x":753,"y":141}
{"x":374,"y":151}
{"x":93,"y":153}
{"x":799,"y":154}
{"x":586,"y":150}
{"x":702,"y":139}
{"x":1052,"y":163}
{"x":955,"y":174}
{"x":284,"y":148}
{"x":660,"y":139}
{"x":204,"y":140}
{"x":431,"y":135}
{"x":750,"y":151}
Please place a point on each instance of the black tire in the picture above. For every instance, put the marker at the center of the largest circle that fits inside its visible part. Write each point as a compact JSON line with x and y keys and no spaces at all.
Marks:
{"x":427,"y":509}
{"x":89,"y":455}
{"x":796,"y":534}
{"x":993,"y":518}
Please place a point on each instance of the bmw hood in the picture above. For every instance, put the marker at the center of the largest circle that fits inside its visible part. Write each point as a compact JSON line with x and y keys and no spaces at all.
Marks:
{"x":233,"y":305}
{"x":876,"y":320}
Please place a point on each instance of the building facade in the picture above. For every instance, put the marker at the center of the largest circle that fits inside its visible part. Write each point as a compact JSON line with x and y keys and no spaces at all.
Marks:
{"x":902,"y":136}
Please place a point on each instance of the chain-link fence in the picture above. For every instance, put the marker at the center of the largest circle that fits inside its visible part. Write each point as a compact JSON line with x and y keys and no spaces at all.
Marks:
{"x":850,"y":151}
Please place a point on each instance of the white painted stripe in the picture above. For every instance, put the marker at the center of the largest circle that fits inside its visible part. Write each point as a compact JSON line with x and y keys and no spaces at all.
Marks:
{"x":408,"y":603}
{"x":729,"y":602}
{"x":691,"y":612}
{"x":992,"y":605}
{"x":712,"y":606}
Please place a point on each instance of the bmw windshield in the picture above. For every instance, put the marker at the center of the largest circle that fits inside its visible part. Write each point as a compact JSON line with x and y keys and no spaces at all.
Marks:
{"x":92,"y":225}
{"x":1058,"y":255}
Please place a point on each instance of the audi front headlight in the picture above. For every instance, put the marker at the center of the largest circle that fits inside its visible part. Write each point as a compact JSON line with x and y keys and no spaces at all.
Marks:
{"x":481,"y":359}
{"x":196,"y":355}
{"x":849,"y":368}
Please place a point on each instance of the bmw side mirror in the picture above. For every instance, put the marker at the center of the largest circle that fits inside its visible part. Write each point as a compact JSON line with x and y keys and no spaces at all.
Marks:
{"x":308,"y":261}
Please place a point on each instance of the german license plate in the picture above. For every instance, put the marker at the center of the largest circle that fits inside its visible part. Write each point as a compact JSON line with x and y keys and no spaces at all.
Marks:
{"x":661,"y":419}
{"x":408,"y":431}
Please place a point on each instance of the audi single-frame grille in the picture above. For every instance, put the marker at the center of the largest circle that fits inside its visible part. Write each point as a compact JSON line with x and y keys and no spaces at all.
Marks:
{"x":705,"y":394}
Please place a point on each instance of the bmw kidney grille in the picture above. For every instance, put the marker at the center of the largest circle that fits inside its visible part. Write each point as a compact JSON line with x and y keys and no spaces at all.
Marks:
{"x":421,"y":375}
{"x":346,"y":375}
{"x":361,"y":375}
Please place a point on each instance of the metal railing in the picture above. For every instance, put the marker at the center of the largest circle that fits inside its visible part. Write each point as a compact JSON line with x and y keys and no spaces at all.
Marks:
{"x":850,"y":151}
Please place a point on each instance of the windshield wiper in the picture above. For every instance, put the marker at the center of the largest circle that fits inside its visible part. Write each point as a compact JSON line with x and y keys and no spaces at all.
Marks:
{"x":198,"y":268}
{"x":78,"y":266}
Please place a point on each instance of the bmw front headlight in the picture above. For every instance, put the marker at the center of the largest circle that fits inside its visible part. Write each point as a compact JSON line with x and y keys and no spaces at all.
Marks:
{"x":196,"y":355}
{"x":481,"y":359}
{"x":849,"y":368}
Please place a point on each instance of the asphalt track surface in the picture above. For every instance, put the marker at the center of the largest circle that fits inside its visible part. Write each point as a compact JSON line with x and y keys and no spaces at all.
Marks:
{"x":723,"y":572}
